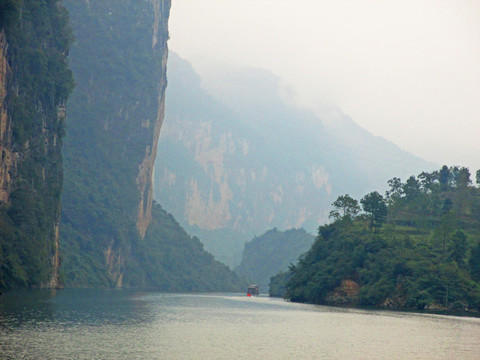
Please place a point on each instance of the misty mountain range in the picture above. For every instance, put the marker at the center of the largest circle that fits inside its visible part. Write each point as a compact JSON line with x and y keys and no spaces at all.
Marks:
{"x":236,"y":157}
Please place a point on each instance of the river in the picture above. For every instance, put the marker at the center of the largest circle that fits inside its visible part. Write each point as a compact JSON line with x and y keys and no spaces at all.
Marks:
{"x":127,"y":324}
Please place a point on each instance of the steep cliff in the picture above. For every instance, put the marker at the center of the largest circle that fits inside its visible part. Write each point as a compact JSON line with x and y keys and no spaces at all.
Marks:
{"x":119,"y":62}
{"x":34,"y":85}
{"x":110,"y":237}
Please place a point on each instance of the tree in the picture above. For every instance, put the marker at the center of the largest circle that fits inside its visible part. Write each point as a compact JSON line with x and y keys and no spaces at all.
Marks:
{"x":411,"y":188}
{"x":461,"y":177}
{"x":475,"y":262}
{"x":447,"y":206}
{"x":459,"y":248}
{"x":478,"y":177}
{"x":428,"y":181}
{"x":374,"y":205}
{"x":396,"y":189}
{"x":444,"y":177}
{"x":443,"y":233}
{"x":345,"y":207}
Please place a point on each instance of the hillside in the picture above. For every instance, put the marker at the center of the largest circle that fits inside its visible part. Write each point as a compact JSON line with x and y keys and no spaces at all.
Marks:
{"x":417,"y":248}
{"x":272,"y":252}
{"x":240,"y":158}
{"x":35,"y":82}
{"x":170,"y":260}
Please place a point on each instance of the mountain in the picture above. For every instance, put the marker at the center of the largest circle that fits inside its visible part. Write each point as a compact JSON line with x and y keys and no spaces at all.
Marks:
{"x":35,"y":82}
{"x":272,"y":252}
{"x":241,"y":158}
{"x":420,"y":250}
{"x":112,"y":234}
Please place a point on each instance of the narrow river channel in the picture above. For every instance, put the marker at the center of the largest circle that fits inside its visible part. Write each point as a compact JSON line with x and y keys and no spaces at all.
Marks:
{"x":126,"y":324}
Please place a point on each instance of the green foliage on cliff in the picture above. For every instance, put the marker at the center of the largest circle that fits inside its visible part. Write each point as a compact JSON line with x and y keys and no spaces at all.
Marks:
{"x":38,"y":84}
{"x":171,"y":260}
{"x":272,"y":252}
{"x":424,"y":256}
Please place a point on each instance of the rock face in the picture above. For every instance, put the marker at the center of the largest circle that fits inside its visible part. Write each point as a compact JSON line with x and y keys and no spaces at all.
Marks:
{"x":145,"y":173}
{"x":230,"y":176}
{"x":244,"y":160}
{"x":119,"y":62}
{"x":345,"y":294}
{"x":34,"y":85}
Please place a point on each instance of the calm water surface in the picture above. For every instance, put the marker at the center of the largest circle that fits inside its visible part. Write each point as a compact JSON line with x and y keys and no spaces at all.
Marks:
{"x":123,"y":324}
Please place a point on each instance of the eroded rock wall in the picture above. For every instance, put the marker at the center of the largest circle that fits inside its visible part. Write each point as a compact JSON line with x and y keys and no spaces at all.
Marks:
{"x":146,"y":169}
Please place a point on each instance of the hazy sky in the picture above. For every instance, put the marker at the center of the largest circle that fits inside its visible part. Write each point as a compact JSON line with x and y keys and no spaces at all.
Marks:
{"x":405,"y":70}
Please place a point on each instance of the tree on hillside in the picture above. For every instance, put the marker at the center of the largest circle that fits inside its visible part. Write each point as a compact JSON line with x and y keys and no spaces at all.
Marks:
{"x":458,"y":248}
{"x":396,"y":189}
{"x":442,"y":234}
{"x":461,"y":177}
{"x":411,"y":188}
{"x":445,"y":177}
{"x":345,"y":208}
{"x":428,"y":181}
{"x":478,"y":177}
{"x":374,"y":205}
{"x":475,"y":262}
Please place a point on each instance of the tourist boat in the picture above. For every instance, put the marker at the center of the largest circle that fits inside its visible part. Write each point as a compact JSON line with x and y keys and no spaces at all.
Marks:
{"x":253,"y":290}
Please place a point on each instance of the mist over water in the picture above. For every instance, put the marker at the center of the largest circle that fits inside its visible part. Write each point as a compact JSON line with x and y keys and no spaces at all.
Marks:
{"x":123,"y":324}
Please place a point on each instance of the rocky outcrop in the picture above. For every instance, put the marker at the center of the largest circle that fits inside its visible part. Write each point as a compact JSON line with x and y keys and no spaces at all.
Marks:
{"x":345,"y":294}
{"x":146,"y":169}
{"x":115,"y":261}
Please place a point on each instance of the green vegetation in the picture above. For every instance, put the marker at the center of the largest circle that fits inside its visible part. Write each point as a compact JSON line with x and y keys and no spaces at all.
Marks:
{"x":38,"y":84}
{"x":272,"y":252}
{"x":418,"y":248}
{"x":171,"y":260}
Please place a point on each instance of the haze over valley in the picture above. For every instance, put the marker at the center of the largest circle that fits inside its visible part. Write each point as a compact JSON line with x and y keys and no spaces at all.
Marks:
{"x":237,"y":179}
{"x":237,"y":158}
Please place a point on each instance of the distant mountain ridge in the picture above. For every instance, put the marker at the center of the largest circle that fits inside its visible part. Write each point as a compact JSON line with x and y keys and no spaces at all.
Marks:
{"x":239,"y":159}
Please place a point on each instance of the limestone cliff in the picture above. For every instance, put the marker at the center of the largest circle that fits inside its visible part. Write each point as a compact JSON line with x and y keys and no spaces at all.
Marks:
{"x":145,"y":173}
{"x":228,"y":176}
{"x":237,"y":158}
{"x":119,"y":62}
{"x":34,"y":85}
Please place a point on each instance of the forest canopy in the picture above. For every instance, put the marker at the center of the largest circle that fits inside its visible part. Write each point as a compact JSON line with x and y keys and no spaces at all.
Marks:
{"x":416,"y":247}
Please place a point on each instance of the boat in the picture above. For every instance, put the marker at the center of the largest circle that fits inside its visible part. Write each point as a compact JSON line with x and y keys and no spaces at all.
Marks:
{"x":253,"y":290}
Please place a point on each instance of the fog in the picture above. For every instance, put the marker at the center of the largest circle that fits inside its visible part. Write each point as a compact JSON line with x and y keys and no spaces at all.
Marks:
{"x":408,"y":71}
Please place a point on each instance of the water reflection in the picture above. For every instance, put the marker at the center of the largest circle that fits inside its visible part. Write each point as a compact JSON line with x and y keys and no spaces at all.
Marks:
{"x":71,"y":307}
